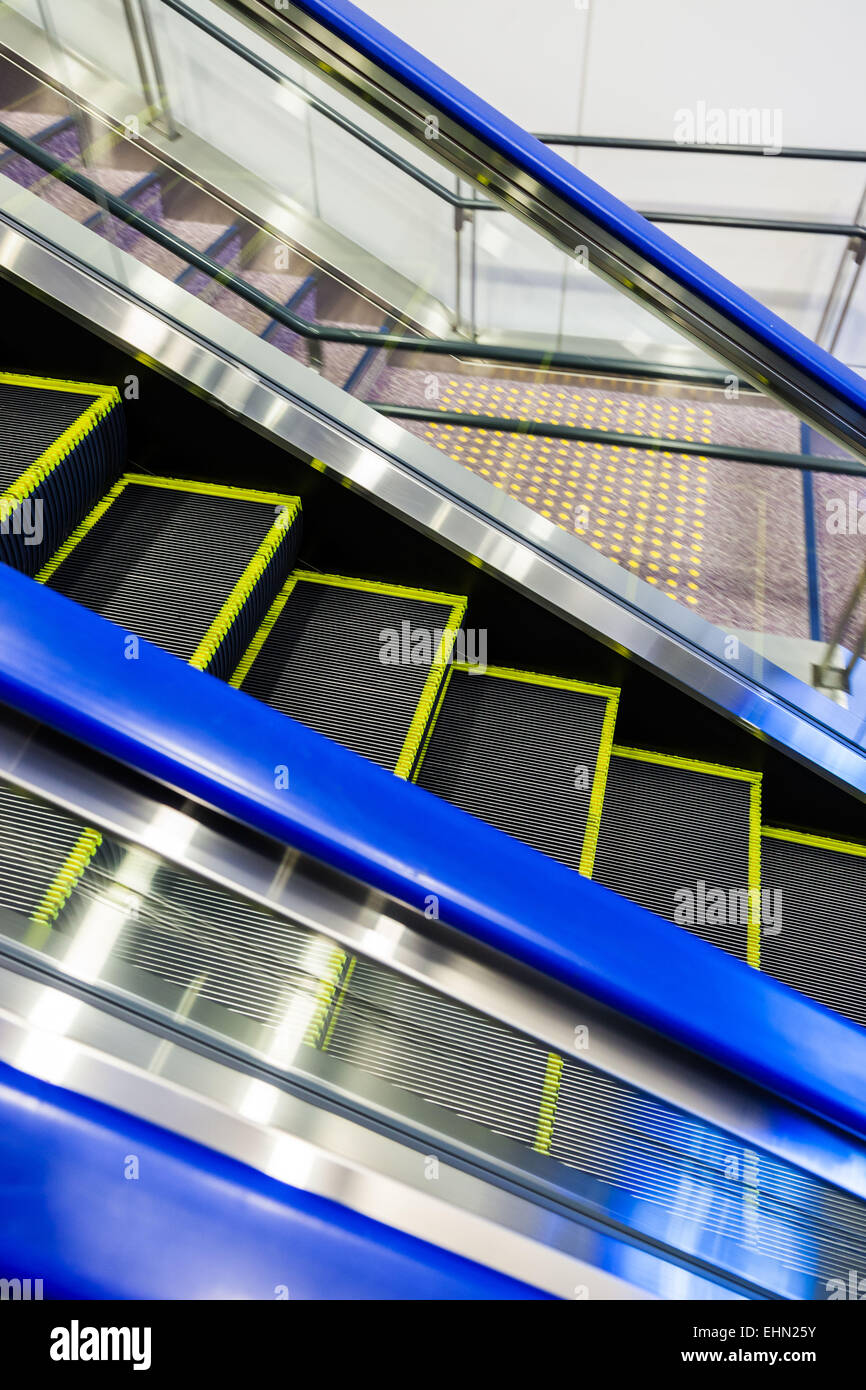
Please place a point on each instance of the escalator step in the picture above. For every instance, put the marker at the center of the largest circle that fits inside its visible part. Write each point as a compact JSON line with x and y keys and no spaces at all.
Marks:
{"x":190,"y":566}
{"x":337,"y":653}
{"x":421,"y":1042}
{"x":61,"y":444}
{"x":670,"y":825}
{"x":527,"y":753}
{"x":821,"y":947}
{"x":193,"y":936}
{"x":43,"y":852}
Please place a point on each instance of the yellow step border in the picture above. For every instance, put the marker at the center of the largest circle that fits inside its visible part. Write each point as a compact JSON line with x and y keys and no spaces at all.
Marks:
{"x":106,"y":398}
{"x":549,"y":1100}
{"x":57,"y":894}
{"x":438,"y":667}
{"x":799,"y":837}
{"x":350,"y":970}
{"x":325,"y":990}
{"x":289,"y":510}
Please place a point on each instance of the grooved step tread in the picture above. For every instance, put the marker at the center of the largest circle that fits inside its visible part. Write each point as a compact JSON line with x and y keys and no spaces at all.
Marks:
{"x":821,"y":948}
{"x":509,"y":750}
{"x":320,"y":663}
{"x":35,"y":843}
{"x":31,"y":419}
{"x":666,"y":828}
{"x":161,"y":562}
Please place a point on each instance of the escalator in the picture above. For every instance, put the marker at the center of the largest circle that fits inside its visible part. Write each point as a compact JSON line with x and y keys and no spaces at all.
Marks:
{"x":270,"y":579}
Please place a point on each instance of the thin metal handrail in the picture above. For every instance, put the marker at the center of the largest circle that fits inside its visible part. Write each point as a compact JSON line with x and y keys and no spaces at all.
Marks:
{"x":616,"y":142}
{"x":826,"y":664}
{"x":728,"y":453}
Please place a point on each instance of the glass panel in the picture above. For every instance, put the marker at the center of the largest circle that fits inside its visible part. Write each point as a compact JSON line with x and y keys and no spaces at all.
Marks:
{"x":133,"y":926}
{"x":659,"y":458}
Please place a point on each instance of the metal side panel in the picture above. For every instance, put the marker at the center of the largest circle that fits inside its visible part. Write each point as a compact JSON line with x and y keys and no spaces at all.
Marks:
{"x":297,"y":896}
{"x":108,"y":1206}
{"x":227,"y":1186}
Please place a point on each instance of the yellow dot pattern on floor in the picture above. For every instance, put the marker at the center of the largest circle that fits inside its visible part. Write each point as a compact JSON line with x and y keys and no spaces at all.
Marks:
{"x":644,"y":510}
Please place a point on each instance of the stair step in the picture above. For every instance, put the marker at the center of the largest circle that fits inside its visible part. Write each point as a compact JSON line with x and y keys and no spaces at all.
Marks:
{"x":190,"y":566}
{"x":671,"y":824}
{"x":318,"y":657}
{"x":821,"y":947}
{"x":61,"y":444}
{"x":528,"y":753}
{"x":434,"y":1048}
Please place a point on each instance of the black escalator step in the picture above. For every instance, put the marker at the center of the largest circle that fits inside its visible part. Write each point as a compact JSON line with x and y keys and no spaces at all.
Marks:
{"x":43,"y":852}
{"x":189,"y":935}
{"x":190,"y":566}
{"x":682,"y":838}
{"x":820,"y":909}
{"x":335,"y":653}
{"x":439,"y":1050}
{"x":61,"y":444}
{"x":527,"y":753}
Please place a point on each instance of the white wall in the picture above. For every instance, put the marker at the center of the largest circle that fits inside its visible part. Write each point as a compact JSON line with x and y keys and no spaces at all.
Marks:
{"x":626,"y":67}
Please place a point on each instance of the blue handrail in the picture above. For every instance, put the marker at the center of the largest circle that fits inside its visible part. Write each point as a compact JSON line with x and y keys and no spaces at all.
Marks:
{"x":201,"y":1226}
{"x":527,"y":153}
{"x":66,"y":666}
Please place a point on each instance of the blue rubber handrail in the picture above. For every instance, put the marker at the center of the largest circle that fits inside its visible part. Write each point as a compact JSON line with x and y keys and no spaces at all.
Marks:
{"x":197,"y":1225}
{"x":66,"y":666}
{"x":527,"y":153}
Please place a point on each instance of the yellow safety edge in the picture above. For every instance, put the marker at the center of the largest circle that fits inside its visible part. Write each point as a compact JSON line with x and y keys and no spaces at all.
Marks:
{"x":547,"y":1108}
{"x":644,"y":755}
{"x":107,"y":397}
{"x":599,"y":786}
{"x":57,"y":894}
{"x":228,"y":613}
{"x":339,"y":1004}
{"x":242,"y":494}
{"x":431,"y":724}
{"x":243,"y":668}
{"x":325,"y":991}
{"x":376,"y":586}
{"x":427,"y":702}
{"x":753,"y":930}
{"x":799,"y":837}
{"x":79,"y":533}
{"x":418,"y":725}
